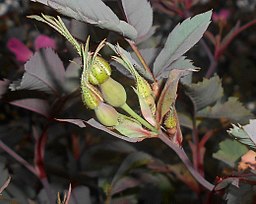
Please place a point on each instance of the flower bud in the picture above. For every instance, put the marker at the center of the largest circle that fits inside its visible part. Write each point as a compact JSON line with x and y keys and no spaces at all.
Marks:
{"x":146,"y":92}
{"x":91,"y":96}
{"x":143,"y":87}
{"x":106,"y":115}
{"x":113,"y":92}
{"x":170,"y":121}
{"x":100,"y":71}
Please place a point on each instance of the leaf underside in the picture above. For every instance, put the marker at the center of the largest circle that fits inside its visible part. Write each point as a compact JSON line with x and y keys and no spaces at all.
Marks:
{"x":93,"y":12}
{"x":139,"y":14}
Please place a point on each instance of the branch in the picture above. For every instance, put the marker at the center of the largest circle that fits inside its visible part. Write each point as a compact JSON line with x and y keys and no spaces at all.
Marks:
{"x":182,"y":155}
{"x":140,"y":57}
{"x":231,"y":38}
{"x":18,"y":158}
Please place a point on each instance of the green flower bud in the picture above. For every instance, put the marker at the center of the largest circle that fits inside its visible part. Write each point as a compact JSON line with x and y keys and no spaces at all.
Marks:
{"x":143,"y":87}
{"x":113,"y":92}
{"x":91,"y":96}
{"x":100,"y":71}
{"x":106,"y":115}
{"x":170,"y":121}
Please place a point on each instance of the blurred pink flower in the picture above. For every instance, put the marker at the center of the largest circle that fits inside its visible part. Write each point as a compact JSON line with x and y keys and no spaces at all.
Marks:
{"x":23,"y":53}
{"x":221,"y":16}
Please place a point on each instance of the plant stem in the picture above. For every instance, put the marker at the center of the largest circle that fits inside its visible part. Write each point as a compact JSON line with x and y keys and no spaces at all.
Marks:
{"x":127,"y":109}
{"x":211,"y":69}
{"x":213,"y":62}
{"x":18,"y":158}
{"x":48,"y":190}
{"x":196,"y":151}
{"x":140,"y":57}
{"x":183,"y":156}
{"x":224,"y":45}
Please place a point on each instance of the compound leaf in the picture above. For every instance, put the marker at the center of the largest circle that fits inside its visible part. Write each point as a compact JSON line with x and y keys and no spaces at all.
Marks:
{"x":181,"y":63}
{"x":139,"y":14}
{"x":36,"y":105}
{"x":183,"y":37}
{"x":93,"y":12}
{"x":204,"y":93}
{"x":231,"y":109}
{"x":44,"y":72}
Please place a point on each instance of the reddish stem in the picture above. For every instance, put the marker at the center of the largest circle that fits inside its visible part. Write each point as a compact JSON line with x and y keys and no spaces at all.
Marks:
{"x":196,"y":149}
{"x":39,"y":154}
{"x":183,"y":156}
{"x":140,"y":57}
{"x":224,"y":46}
{"x":205,"y":138}
{"x":39,"y":162}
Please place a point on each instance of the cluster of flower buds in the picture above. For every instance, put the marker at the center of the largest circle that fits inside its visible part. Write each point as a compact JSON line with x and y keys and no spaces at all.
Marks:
{"x":110,"y":91}
{"x":103,"y":94}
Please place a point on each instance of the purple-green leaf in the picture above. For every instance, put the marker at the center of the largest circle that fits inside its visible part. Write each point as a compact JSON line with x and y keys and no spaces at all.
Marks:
{"x":36,"y":105}
{"x":231,"y":109}
{"x":94,"y":12}
{"x":139,"y":14}
{"x":44,"y":72}
{"x":182,"y":63}
{"x":205,"y":93}
{"x":183,"y":37}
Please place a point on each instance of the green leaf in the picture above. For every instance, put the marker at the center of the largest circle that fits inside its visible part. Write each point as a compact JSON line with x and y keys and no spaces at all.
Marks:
{"x":231,"y":109}
{"x":94,"y":12}
{"x":230,"y":152}
{"x":204,"y":93}
{"x":245,"y":134}
{"x":183,"y":37}
{"x":139,"y":14}
{"x":181,"y":63}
